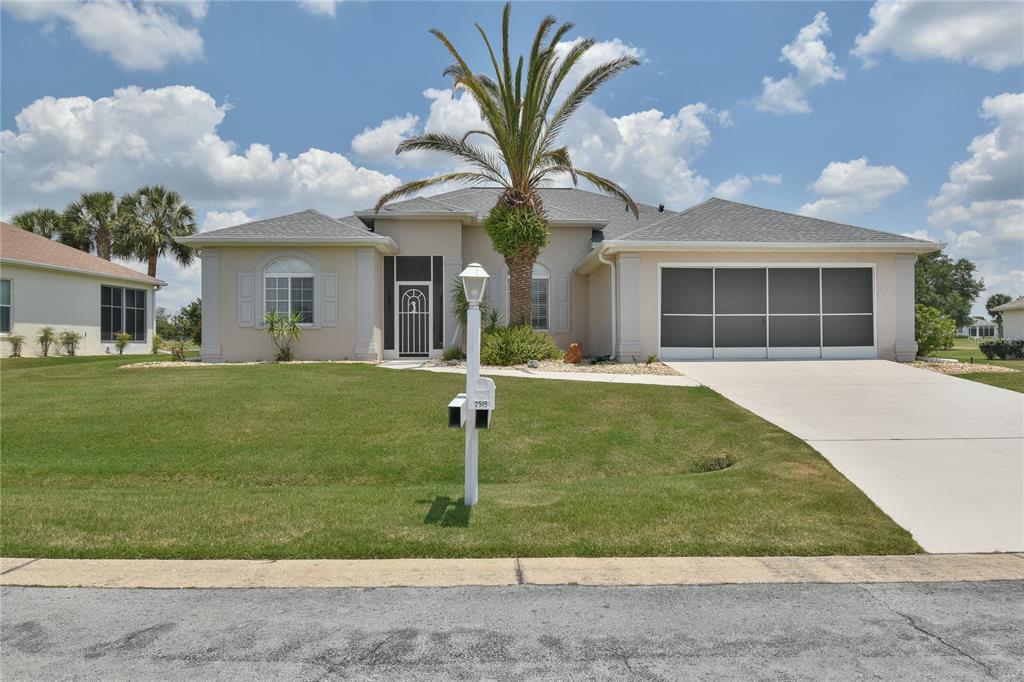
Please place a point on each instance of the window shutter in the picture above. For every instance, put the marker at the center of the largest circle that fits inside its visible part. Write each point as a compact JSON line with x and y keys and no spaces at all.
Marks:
{"x":562,"y":303}
{"x":329,"y":310}
{"x":246,"y":296}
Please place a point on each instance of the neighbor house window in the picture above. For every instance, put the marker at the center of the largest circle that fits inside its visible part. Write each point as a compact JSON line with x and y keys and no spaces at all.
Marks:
{"x":5,"y":305}
{"x":539,"y":297}
{"x":288,"y":288}
{"x":122,"y":310}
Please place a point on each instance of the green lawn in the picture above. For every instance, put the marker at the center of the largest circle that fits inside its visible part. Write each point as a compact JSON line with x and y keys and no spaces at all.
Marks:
{"x":966,"y":350}
{"x":307,"y":461}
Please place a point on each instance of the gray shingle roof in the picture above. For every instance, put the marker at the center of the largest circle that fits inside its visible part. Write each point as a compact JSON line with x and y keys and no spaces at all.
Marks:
{"x":718,"y":220}
{"x":1015,"y":304}
{"x":307,"y":224}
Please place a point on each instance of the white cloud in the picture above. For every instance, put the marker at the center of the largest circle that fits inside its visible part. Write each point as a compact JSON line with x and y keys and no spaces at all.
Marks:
{"x":602,"y":52}
{"x":214,"y":220}
{"x":981,"y":205}
{"x":64,"y":146}
{"x":853,"y":187}
{"x":813,"y":65}
{"x":770,"y":179}
{"x":326,"y":8}
{"x":987,"y":34}
{"x":736,"y":186}
{"x":141,"y":37}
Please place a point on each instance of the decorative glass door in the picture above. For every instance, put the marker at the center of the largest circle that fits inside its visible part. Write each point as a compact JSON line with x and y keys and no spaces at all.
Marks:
{"x":414,"y":320}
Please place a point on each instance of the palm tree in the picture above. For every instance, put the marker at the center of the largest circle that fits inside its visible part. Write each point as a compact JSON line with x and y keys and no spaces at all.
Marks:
{"x":49,"y":223}
{"x":523,"y":112}
{"x":153,"y":216}
{"x":994,"y":301}
{"x":92,"y":222}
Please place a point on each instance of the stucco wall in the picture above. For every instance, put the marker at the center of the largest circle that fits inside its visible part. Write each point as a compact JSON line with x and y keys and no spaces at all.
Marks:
{"x":423,"y":237}
{"x":246,"y":343}
{"x":65,"y":301}
{"x":599,"y":312}
{"x":645,"y":297}
{"x":567,"y":248}
{"x":1013,"y":324}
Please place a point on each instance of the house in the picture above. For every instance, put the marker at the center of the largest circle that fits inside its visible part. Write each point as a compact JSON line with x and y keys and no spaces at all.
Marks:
{"x":1013,"y":318}
{"x":980,"y":329}
{"x":718,"y":280}
{"x":44,"y":283}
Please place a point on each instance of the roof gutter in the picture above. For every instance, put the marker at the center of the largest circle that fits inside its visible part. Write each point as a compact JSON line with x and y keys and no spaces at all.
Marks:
{"x":615,"y":311}
{"x":383,"y":244}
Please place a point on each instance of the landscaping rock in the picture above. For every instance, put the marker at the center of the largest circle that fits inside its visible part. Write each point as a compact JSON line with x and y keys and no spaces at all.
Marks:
{"x":533,"y":364}
{"x":574,"y":354}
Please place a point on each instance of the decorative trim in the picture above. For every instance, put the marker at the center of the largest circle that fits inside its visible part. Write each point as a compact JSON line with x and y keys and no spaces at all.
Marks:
{"x":210,"y":276}
{"x":246,"y":298}
{"x":366,"y":302}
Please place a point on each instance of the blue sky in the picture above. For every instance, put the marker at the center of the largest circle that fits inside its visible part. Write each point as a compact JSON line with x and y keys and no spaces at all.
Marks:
{"x":868,"y":117}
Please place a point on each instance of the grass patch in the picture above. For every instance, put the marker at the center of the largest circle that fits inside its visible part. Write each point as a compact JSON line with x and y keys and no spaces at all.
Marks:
{"x":316,"y":461}
{"x":966,"y":350}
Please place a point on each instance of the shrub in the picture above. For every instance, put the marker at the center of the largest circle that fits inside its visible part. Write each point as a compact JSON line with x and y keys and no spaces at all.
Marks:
{"x":932,"y":329}
{"x":178,"y":350}
{"x":122,"y":339}
{"x":453,"y":353}
{"x":46,"y":338}
{"x":16,"y":341}
{"x":158,"y":343}
{"x":1003,"y":349}
{"x":69,"y":341}
{"x":516,"y":346}
{"x":283,"y":331}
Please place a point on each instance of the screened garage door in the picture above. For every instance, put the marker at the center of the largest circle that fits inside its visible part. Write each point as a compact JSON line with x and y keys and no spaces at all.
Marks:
{"x":767,"y":312}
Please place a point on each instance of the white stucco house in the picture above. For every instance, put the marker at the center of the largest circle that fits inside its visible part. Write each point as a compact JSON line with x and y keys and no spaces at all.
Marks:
{"x":720,"y":280}
{"x":1013,"y":318}
{"x":46,"y":284}
{"x":980,"y":329}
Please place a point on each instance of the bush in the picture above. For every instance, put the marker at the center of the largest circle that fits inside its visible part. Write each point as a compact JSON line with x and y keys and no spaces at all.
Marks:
{"x":158,"y":343}
{"x":122,"y":339}
{"x":16,"y":341}
{"x":1003,"y":349}
{"x":46,"y":338}
{"x":69,"y":341}
{"x":178,"y":350}
{"x":283,"y":331}
{"x":516,"y":346}
{"x":453,"y":353}
{"x":934,"y":331}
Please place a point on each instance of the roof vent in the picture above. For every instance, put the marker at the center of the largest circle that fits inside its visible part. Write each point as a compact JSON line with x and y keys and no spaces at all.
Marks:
{"x":661,"y":208}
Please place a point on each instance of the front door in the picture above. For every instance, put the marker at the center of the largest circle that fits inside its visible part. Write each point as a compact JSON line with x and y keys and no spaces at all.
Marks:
{"x":414,"y":320}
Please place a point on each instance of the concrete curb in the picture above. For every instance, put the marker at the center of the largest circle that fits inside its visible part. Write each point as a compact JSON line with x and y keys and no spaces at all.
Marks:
{"x":153,"y":573}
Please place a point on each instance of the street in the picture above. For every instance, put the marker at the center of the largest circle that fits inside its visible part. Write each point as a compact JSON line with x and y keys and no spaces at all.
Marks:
{"x":950,"y":630}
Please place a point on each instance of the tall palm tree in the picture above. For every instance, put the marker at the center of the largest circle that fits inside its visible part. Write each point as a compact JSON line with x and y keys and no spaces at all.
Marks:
{"x":42,"y":221}
{"x":92,"y":222}
{"x":523,"y":111}
{"x":153,"y":216}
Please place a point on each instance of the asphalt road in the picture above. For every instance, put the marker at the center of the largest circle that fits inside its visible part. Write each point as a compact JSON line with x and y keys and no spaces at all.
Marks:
{"x":935,"y":631}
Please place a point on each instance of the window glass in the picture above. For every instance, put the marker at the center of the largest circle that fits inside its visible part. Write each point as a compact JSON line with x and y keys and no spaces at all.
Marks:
{"x":5,"y":305}
{"x":302,"y":298}
{"x":539,"y":303}
{"x":111,"y":312}
{"x":135,"y":313}
{"x":413,"y":268}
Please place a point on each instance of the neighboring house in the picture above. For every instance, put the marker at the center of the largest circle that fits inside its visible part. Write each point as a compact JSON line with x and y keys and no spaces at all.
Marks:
{"x":1013,"y":318}
{"x":44,"y":283}
{"x":980,"y":329}
{"x":719,"y":280}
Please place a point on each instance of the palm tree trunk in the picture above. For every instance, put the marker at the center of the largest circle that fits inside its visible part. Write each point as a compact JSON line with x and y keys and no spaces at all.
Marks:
{"x":103,"y":243}
{"x":520,"y":275}
{"x":152,"y":263}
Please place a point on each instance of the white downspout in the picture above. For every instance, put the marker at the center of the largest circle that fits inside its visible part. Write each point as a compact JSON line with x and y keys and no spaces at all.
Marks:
{"x":615,"y":311}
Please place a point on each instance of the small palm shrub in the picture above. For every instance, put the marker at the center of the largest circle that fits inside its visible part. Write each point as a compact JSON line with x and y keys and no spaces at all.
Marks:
{"x":121,"y":341}
{"x":17,"y":341}
{"x":283,"y":331}
{"x":46,"y":338}
{"x":178,"y":350}
{"x":452,"y":353}
{"x":158,"y":343}
{"x":69,"y":341}
{"x":516,"y":346}
{"x":934,"y":331}
{"x":1003,"y":349}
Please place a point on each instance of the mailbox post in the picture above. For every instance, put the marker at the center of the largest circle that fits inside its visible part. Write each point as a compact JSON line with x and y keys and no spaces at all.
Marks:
{"x":474,"y":281}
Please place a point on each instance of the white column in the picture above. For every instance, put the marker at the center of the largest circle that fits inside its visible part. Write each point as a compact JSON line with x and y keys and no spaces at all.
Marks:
{"x":470,"y":488}
{"x":210,"y":269}
{"x":367,"y":300}
{"x":451,"y":270}
{"x":906,"y":344}
{"x":630,"y":344}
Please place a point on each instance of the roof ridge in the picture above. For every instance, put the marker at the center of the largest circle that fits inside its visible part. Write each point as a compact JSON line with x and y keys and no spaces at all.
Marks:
{"x":674,"y":214}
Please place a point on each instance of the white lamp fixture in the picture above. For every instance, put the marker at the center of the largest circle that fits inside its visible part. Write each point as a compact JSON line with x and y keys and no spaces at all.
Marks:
{"x":474,"y":281}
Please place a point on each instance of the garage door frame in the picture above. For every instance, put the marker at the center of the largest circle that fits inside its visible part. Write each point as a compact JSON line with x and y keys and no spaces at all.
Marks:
{"x":824,"y":352}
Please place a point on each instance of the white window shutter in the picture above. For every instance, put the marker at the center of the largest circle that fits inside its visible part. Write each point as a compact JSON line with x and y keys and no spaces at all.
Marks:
{"x":562,"y":303}
{"x":329,"y":309}
{"x":246,"y":296}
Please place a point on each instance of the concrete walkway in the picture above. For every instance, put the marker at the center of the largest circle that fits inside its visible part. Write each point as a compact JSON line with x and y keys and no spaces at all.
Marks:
{"x":151,"y":573}
{"x":943,"y":456}
{"x":598,"y":377}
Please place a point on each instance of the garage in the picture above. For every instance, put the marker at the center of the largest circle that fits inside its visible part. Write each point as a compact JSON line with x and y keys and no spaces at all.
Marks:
{"x":744,"y":311}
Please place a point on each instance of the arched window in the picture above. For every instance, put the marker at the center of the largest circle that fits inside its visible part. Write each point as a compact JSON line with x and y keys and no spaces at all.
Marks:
{"x":288,"y":288}
{"x":539,"y":297}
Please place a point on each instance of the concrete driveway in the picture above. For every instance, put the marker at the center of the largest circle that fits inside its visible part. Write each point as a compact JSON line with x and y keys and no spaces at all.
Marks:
{"x":943,"y":456}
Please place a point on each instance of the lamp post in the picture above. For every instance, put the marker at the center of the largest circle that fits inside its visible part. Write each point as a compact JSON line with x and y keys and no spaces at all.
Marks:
{"x":474,"y":281}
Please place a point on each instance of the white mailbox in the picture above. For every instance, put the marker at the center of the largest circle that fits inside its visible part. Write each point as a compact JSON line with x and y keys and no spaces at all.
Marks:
{"x":457,"y":412}
{"x":483,"y":402}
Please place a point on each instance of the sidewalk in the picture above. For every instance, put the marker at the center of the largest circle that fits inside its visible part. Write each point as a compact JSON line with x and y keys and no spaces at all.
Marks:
{"x":152,"y":573}
{"x":598,"y":377}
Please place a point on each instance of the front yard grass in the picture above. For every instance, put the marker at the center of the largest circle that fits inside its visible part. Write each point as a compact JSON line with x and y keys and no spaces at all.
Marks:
{"x":966,"y":350}
{"x":354,"y":461}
